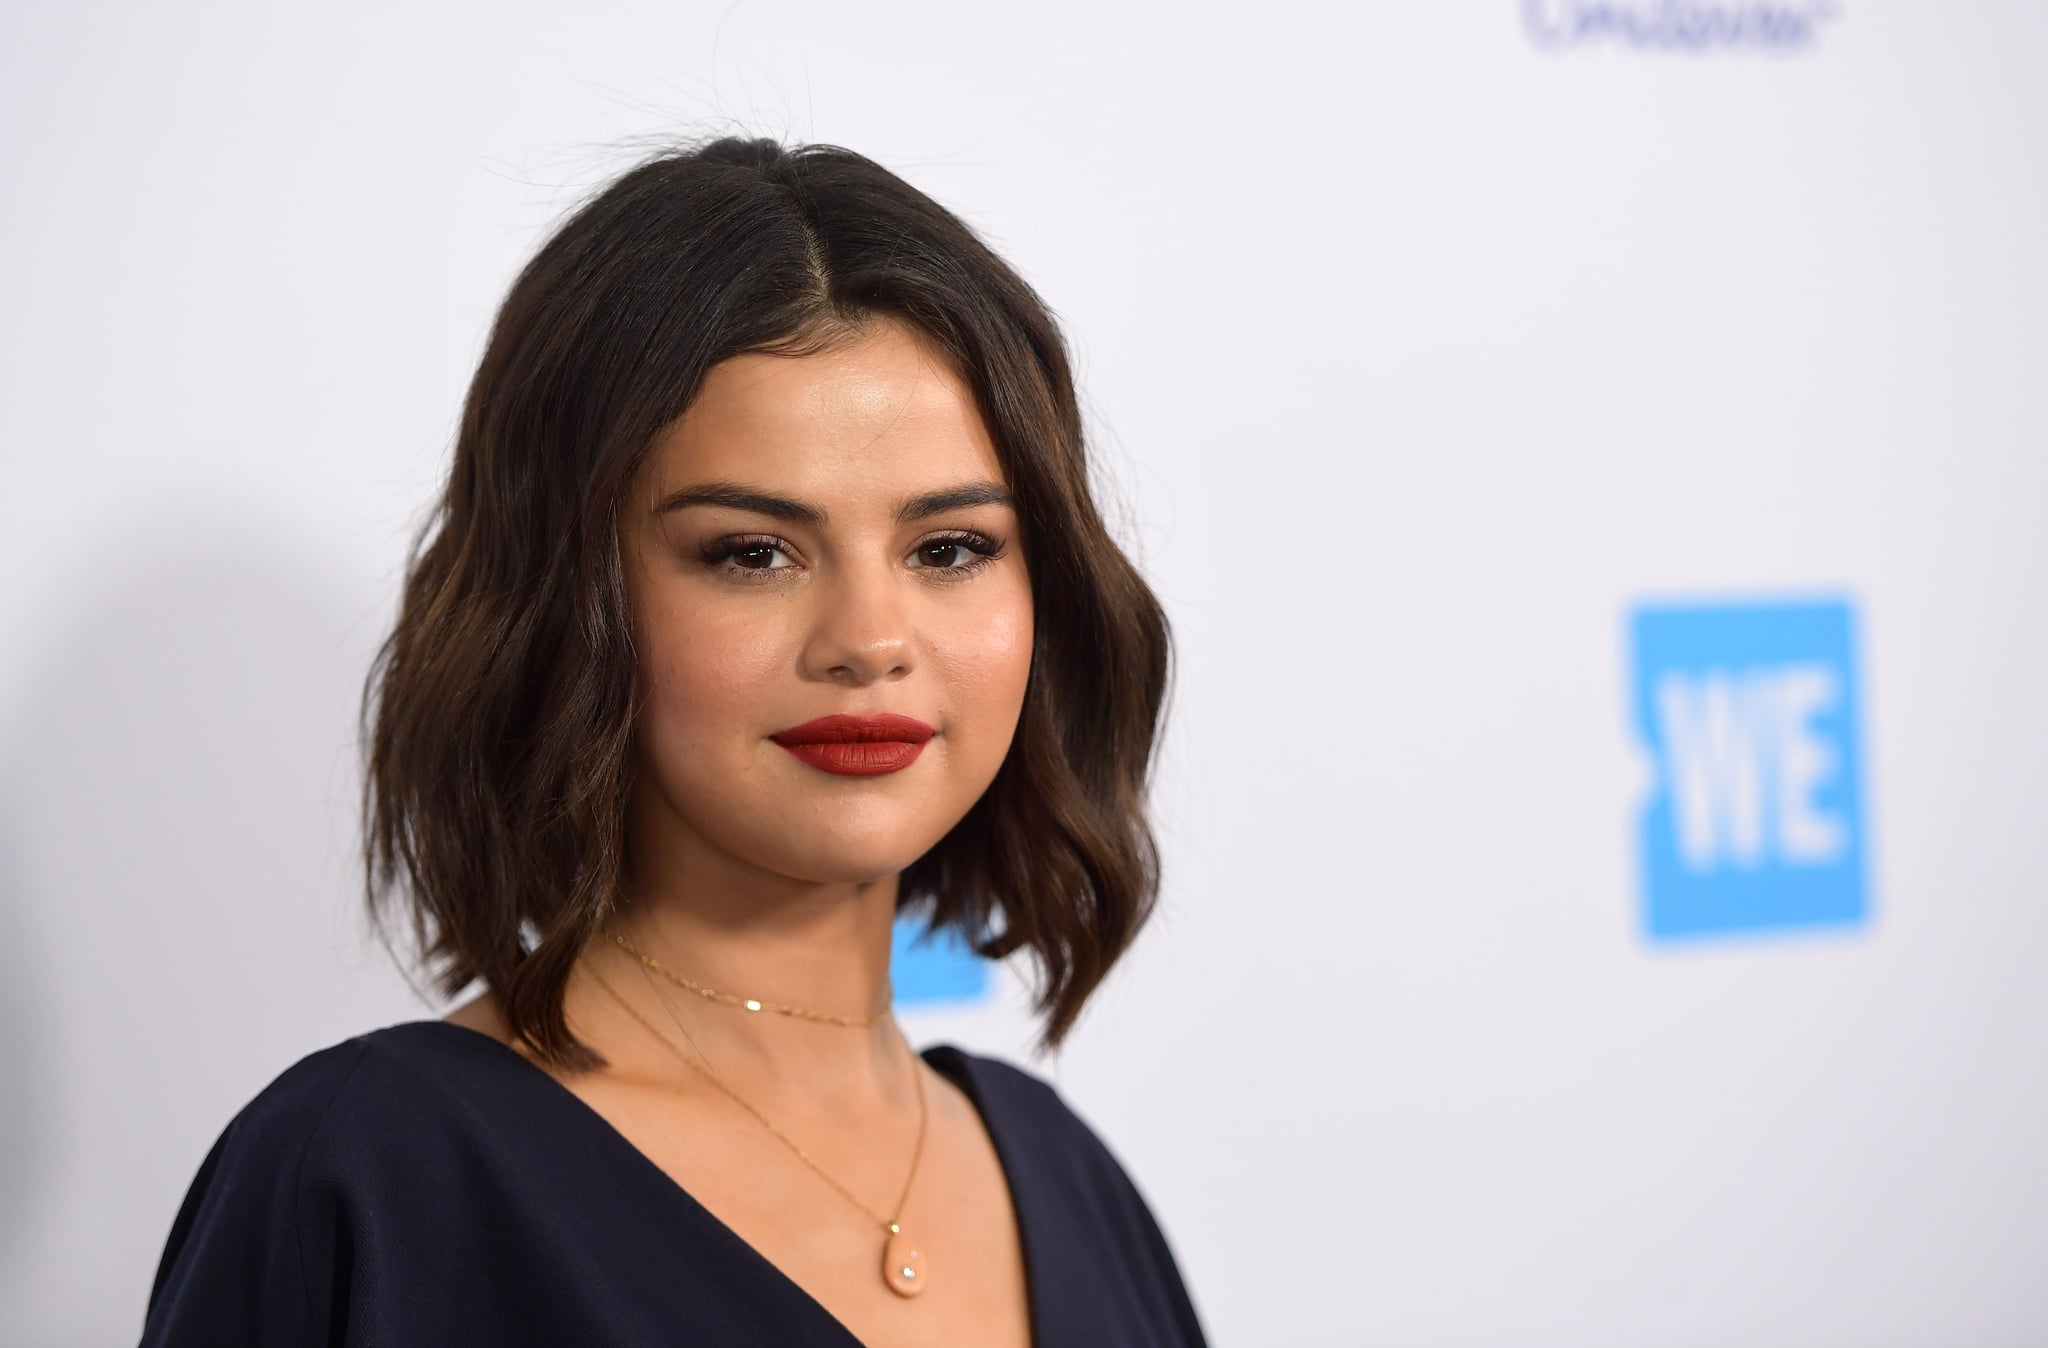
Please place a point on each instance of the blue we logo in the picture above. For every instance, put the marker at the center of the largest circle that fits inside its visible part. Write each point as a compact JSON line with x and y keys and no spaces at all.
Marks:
{"x":935,"y":969}
{"x":1750,"y":715}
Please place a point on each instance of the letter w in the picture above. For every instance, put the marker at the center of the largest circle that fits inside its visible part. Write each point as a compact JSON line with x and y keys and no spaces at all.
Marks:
{"x":1711,"y":724}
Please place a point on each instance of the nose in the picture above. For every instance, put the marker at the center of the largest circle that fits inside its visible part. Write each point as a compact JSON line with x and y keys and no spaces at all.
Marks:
{"x":860,"y":626}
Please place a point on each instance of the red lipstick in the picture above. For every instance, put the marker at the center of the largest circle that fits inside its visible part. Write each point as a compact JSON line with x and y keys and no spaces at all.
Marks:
{"x":857,"y":746}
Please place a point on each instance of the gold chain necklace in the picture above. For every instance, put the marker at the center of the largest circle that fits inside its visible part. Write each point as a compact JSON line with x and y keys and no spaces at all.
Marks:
{"x":751,"y":1003}
{"x":903,"y":1267}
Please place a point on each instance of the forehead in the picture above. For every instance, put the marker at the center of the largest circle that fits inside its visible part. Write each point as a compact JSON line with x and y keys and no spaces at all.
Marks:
{"x":870,"y":415}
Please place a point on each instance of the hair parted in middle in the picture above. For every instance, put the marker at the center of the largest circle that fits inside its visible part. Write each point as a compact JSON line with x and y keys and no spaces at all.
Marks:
{"x":498,"y":715}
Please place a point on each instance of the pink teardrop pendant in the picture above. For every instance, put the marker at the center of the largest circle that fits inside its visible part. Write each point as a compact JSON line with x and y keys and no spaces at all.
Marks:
{"x":902,"y":1264}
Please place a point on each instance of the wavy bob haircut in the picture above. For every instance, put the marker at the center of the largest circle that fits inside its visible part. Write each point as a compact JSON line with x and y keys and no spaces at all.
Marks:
{"x":499,"y":714}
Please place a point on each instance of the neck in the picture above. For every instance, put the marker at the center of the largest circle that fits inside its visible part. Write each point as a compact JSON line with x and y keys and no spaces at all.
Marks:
{"x":822,"y":947}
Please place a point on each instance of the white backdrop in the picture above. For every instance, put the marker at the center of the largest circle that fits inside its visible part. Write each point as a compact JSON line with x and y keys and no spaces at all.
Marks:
{"x":1423,"y":344}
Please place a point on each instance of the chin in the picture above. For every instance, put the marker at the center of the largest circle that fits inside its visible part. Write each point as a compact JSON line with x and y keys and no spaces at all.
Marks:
{"x":828,"y":859}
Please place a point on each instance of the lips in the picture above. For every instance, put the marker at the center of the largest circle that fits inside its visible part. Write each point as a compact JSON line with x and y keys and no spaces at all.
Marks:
{"x":857,"y":746}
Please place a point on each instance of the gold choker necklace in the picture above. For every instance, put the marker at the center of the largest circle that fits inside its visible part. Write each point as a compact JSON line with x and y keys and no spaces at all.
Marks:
{"x":754,"y":1004}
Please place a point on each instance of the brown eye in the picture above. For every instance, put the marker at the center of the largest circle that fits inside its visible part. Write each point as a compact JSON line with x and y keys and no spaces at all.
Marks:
{"x":958,"y":555}
{"x":754,"y":556}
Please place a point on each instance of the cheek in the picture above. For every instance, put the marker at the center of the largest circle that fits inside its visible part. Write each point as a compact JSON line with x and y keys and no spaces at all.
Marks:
{"x":985,"y":662}
{"x":706,"y":674}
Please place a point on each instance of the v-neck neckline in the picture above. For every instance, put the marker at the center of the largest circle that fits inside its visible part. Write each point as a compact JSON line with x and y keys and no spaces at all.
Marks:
{"x":948,"y":1060}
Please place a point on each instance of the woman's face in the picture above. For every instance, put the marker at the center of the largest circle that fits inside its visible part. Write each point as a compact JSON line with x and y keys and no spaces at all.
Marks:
{"x":878,"y":571}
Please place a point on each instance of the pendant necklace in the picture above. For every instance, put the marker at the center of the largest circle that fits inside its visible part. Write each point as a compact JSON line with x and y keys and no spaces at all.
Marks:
{"x":903,"y":1264}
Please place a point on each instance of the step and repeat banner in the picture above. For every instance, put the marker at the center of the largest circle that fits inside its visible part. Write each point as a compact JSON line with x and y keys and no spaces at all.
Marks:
{"x":1592,"y":455}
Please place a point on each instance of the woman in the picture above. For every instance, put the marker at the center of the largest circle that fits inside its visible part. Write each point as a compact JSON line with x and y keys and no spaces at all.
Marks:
{"x":766,"y":600}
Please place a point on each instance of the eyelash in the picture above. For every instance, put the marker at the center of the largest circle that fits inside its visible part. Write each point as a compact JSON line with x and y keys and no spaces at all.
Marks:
{"x":719,"y":552}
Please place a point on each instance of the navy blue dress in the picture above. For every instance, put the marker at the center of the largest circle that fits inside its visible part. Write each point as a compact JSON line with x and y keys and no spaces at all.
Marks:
{"x":424,"y":1184}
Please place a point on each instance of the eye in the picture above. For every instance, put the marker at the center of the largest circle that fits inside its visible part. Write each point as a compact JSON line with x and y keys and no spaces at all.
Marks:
{"x":753,"y":556}
{"x":957,"y":555}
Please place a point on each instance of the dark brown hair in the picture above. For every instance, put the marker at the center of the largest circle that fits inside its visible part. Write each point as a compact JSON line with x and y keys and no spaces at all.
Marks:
{"x":498,"y":715}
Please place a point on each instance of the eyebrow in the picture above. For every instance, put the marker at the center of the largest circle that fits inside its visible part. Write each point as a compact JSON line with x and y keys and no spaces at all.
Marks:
{"x":738,"y":496}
